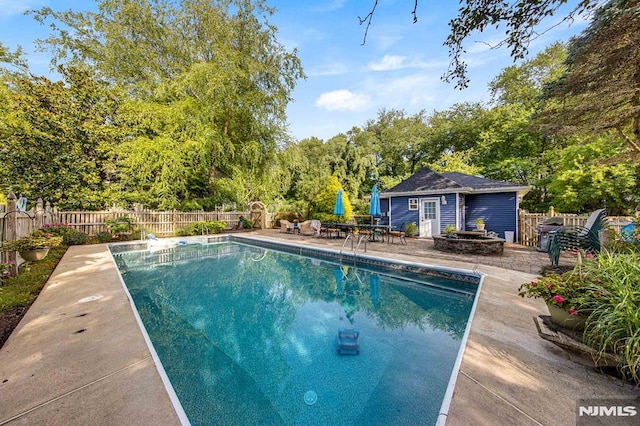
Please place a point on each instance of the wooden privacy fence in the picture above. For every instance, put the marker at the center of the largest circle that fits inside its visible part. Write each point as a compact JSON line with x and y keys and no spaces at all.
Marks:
{"x":15,"y":224}
{"x":164,"y":223}
{"x":528,"y":223}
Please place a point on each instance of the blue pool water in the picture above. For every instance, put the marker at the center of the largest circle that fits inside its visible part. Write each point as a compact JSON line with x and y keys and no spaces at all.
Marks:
{"x":248,"y":335}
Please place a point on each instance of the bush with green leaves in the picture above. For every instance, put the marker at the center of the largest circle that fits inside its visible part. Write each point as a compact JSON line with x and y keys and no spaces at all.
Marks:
{"x":246,"y":223}
{"x":59,"y":229}
{"x":450,"y":230}
{"x":103,"y":237}
{"x":185,"y":231}
{"x":411,"y":229}
{"x":70,"y":236}
{"x":614,"y":323}
{"x":201,"y":228}
{"x":77,"y":239}
{"x":606,"y":289}
{"x":120,"y":224}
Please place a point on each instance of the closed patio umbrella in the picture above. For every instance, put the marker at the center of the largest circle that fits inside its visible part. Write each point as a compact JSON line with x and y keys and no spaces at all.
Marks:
{"x":374,"y":288}
{"x":338,"y":209}
{"x":374,"y":203}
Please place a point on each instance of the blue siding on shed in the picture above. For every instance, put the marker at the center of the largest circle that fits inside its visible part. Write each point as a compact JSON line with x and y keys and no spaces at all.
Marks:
{"x":447,"y":211}
{"x":400,"y":213}
{"x":498,"y":210}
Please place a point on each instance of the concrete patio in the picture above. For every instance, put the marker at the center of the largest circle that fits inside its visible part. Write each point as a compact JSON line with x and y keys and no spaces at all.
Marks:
{"x":78,"y":356}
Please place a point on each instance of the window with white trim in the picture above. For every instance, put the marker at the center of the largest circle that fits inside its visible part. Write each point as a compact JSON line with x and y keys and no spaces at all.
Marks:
{"x":413,"y":204}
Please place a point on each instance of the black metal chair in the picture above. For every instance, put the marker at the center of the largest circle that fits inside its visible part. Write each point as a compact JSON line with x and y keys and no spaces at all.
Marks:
{"x":577,"y":237}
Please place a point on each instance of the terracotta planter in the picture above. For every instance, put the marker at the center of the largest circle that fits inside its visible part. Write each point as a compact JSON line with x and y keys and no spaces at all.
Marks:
{"x":563,"y":318}
{"x":33,"y":255}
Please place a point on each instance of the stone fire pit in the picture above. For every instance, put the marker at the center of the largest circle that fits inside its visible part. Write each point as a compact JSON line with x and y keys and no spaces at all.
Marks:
{"x":469,"y":243}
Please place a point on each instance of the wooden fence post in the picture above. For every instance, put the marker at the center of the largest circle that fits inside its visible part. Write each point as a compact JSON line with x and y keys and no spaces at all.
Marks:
{"x":173,"y":221}
{"x":47,"y":217}
{"x":552,"y":211}
{"x":11,"y":230}
{"x":39,"y":218}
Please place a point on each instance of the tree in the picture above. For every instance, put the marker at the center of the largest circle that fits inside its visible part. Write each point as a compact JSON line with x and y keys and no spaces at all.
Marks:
{"x":12,"y":59}
{"x":588,"y":178}
{"x":217,"y":66}
{"x":519,"y":17}
{"x":600,"y":91}
{"x":401,"y":141}
{"x":58,"y":138}
{"x":326,"y":199}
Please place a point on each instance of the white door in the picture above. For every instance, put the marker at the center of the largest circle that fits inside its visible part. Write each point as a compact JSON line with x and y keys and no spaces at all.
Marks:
{"x":429,"y":217}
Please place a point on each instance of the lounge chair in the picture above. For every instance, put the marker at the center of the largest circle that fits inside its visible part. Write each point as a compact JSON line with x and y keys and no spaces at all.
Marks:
{"x":577,"y":237}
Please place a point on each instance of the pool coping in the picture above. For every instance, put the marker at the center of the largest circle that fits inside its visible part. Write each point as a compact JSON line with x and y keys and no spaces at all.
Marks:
{"x":48,"y":374}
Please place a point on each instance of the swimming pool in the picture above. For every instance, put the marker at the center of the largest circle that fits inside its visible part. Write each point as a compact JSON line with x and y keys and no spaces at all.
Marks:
{"x":248,"y":334}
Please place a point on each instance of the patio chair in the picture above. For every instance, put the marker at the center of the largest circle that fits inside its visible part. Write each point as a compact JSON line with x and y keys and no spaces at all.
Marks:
{"x":310,"y":227}
{"x":577,"y":237}
{"x":398,"y":234}
{"x":285,"y":225}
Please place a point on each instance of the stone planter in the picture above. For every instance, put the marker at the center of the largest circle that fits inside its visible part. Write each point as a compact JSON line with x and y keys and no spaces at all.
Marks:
{"x":563,"y":318}
{"x":33,"y":255}
{"x":487,"y":246}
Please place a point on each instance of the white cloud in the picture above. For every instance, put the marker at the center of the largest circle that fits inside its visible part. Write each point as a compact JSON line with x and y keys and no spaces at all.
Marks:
{"x":18,"y":7}
{"x":343,"y":100}
{"x":329,"y":6}
{"x":335,"y":68}
{"x":383,"y":42}
{"x":414,"y":90}
{"x":388,"y":62}
{"x":397,"y":62}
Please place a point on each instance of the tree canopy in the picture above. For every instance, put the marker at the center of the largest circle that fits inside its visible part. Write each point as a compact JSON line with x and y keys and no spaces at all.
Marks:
{"x":191,"y":115}
{"x":600,"y":90}
{"x":520,"y":19}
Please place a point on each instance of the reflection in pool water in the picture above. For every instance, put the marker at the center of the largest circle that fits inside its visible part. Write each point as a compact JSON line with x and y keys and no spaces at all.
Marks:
{"x":249,"y":335}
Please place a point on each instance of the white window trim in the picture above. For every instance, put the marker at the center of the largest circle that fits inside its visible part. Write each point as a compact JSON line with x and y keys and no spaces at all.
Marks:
{"x":413,"y":204}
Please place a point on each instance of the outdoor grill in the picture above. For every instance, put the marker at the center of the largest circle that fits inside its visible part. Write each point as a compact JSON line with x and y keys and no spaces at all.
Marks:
{"x":544,"y":228}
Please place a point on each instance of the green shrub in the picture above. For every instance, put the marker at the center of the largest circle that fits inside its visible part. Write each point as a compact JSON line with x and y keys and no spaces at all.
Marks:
{"x":614,"y":323}
{"x":185,"y":231}
{"x":605,"y":288}
{"x":201,"y":228}
{"x":59,"y":229}
{"x":246,"y":223}
{"x":450,"y":230}
{"x":411,"y":229}
{"x":103,"y":237}
{"x":77,"y":239}
{"x":120,"y":224}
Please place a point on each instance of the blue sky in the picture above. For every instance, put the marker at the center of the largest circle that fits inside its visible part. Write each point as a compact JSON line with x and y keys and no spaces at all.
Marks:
{"x":347,"y":83}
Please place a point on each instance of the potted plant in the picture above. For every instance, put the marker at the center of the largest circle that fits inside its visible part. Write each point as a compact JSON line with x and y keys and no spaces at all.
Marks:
{"x":567,"y":297}
{"x":33,"y":247}
{"x":450,"y":231}
{"x":479,"y":224}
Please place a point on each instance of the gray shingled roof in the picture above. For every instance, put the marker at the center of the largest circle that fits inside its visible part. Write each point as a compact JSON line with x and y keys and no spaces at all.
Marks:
{"x":425,"y":180}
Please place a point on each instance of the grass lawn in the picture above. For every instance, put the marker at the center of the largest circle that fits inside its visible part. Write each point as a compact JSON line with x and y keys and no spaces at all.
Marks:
{"x":18,"y":293}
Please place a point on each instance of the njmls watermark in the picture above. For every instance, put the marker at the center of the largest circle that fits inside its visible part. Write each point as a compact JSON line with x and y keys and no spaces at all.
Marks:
{"x":610,"y":411}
